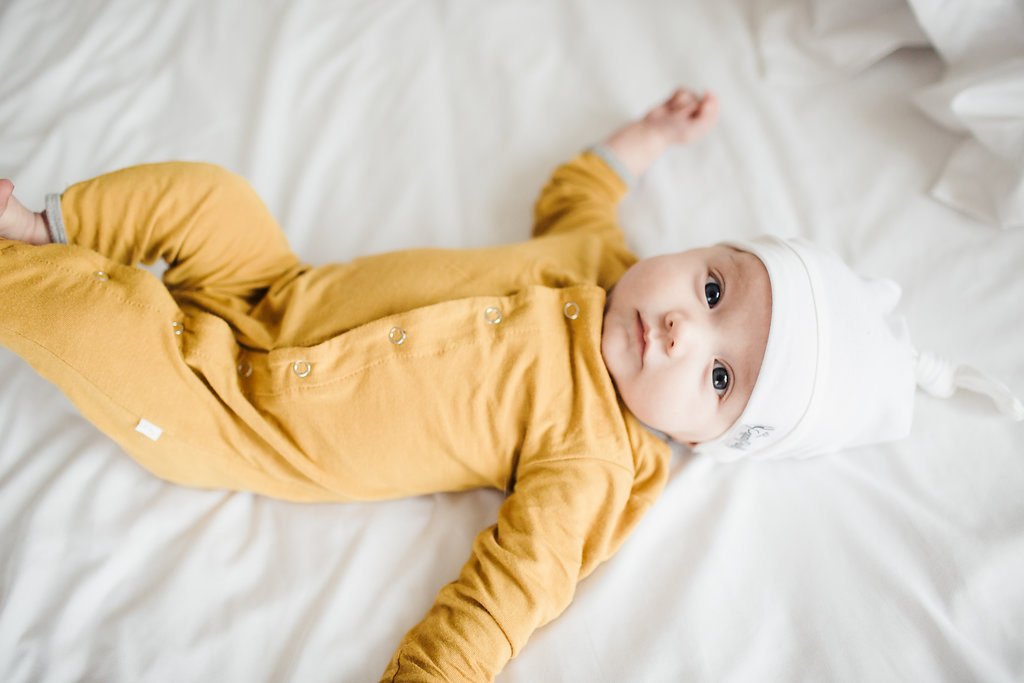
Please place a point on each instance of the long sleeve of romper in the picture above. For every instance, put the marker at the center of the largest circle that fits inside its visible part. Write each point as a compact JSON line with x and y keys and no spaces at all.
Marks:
{"x":565,"y":516}
{"x":582,"y":195}
{"x":555,"y":528}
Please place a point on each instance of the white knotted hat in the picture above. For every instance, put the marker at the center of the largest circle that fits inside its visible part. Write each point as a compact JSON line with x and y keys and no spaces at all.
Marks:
{"x":839,"y":370}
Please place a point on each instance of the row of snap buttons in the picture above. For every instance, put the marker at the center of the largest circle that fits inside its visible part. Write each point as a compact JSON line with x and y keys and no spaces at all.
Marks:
{"x":300,"y":367}
{"x":397,"y":336}
{"x":493,"y":316}
{"x":178,"y":327}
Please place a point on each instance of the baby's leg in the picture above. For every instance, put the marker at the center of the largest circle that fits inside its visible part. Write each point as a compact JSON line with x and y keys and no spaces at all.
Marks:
{"x":206,"y":222}
{"x":123,"y":346}
{"x":115,"y":341}
{"x":17,"y":222}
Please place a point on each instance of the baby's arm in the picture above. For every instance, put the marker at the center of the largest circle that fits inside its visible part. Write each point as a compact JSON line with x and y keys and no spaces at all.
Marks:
{"x":683,"y":118}
{"x":583,"y":193}
{"x":564,"y":517}
{"x":580,"y":201}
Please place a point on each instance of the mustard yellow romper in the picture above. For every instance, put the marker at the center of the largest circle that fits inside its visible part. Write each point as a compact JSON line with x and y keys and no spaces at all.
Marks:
{"x":393,"y":375}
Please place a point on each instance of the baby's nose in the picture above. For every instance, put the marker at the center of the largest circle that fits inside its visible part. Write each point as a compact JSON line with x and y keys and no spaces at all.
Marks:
{"x":676,"y":333}
{"x":685,"y":333}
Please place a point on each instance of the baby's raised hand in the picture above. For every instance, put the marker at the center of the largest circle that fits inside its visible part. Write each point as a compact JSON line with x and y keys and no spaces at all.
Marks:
{"x":684,"y":117}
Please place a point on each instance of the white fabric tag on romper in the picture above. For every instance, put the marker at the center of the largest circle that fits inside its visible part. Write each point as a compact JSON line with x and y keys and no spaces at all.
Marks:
{"x":149,"y":429}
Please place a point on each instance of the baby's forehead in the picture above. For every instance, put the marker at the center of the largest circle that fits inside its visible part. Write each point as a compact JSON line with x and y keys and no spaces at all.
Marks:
{"x":748,"y":291}
{"x":749,"y":282}
{"x":750,"y":265}
{"x":715,"y":252}
{"x":742,"y":264}
{"x":728,"y":252}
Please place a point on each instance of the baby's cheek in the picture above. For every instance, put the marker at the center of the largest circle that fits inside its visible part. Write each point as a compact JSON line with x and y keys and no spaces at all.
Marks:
{"x":614,"y":350}
{"x":656,"y":401}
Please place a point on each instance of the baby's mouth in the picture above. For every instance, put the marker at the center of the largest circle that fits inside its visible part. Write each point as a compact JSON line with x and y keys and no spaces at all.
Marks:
{"x":641,"y":333}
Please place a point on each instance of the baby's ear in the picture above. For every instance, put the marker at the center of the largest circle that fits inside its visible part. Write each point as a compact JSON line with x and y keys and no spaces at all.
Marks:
{"x":885,"y":292}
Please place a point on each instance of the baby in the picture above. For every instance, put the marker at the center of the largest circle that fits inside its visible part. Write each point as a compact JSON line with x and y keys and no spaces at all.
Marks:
{"x":549,"y":369}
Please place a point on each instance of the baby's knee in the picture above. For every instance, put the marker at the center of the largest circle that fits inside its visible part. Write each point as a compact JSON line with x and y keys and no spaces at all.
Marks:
{"x":211,"y":174}
{"x":213,"y":180}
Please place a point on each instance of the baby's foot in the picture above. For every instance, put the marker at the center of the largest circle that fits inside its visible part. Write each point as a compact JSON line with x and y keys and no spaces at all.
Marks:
{"x":17,"y":222}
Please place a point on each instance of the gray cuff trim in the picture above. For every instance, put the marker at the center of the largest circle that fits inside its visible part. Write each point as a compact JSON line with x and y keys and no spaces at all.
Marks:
{"x":609,"y":157}
{"x":55,"y":219}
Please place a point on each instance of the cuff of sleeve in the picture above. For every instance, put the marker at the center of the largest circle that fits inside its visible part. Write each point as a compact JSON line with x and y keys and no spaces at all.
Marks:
{"x":614,"y":163}
{"x":55,"y":219}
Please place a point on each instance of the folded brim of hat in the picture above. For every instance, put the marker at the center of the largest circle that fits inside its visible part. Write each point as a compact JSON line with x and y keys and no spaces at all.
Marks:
{"x":838,"y":367}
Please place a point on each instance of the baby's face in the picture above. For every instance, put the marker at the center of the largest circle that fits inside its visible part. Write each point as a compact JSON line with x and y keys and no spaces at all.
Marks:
{"x":684,"y":336}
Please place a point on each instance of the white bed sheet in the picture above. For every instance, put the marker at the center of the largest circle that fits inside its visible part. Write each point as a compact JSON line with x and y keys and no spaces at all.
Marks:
{"x":368,"y":126}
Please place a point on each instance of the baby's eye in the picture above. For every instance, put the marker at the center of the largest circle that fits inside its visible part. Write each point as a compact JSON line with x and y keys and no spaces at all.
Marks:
{"x":720,"y":379}
{"x":712,"y":291}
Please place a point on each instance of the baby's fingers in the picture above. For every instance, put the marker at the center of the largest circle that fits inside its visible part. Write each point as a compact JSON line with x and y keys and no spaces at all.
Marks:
{"x":707,"y":108}
{"x":685,"y":116}
{"x":682,"y":101}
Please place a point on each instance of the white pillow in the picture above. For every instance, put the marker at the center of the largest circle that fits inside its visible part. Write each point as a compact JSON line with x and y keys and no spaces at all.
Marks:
{"x":982,"y":96}
{"x":972,"y":34}
{"x":814,"y":41}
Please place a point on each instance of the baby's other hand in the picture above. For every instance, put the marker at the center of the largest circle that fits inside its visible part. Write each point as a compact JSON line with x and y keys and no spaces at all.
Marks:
{"x":684,"y":117}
